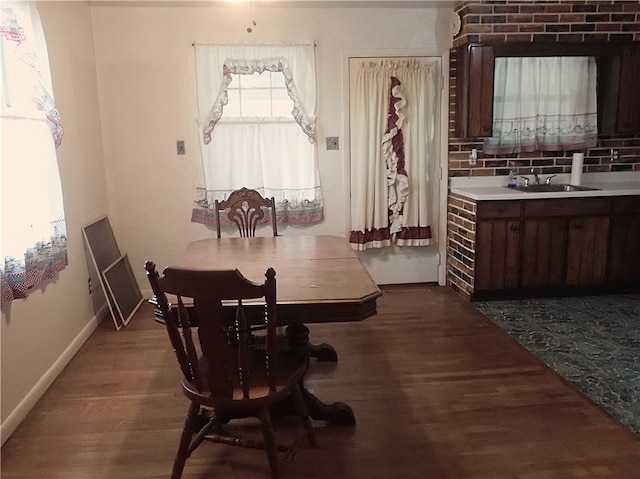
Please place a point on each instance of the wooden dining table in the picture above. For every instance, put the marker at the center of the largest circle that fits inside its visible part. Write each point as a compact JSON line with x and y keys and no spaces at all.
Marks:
{"x":319,"y":280}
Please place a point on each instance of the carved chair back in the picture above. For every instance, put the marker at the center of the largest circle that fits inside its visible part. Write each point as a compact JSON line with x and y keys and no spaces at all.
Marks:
{"x":225,"y":341}
{"x":246,"y":209}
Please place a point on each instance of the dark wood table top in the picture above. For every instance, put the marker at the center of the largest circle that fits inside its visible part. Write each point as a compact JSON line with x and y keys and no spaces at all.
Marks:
{"x":319,"y":278}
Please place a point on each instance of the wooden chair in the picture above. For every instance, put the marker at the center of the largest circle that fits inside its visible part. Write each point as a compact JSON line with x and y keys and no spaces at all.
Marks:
{"x":231,"y":377}
{"x":246,"y":209}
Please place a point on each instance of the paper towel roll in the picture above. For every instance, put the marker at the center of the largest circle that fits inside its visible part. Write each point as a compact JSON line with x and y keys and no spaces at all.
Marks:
{"x":576,"y":168}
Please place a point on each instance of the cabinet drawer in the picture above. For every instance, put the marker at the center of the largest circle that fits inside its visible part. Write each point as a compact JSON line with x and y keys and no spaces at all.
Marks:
{"x":568,"y":207}
{"x":498,"y":209}
{"x":626,"y":205}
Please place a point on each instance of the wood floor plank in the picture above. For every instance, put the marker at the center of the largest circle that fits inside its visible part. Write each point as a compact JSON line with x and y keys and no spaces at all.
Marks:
{"x":438,"y":392}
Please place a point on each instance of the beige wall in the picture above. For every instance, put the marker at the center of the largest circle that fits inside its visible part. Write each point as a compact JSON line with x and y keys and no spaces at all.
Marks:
{"x":124,"y":82}
{"x":39,"y":335}
{"x":146,"y":80}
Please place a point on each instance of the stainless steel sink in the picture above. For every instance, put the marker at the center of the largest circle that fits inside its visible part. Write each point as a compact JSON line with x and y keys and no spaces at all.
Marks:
{"x":553,"y":187}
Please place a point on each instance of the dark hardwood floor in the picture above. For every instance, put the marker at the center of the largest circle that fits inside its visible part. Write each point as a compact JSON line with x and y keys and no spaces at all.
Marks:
{"x":438,"y":392}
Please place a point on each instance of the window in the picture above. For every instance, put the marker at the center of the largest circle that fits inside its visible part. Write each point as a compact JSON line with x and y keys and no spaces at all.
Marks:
{"x":258,"y":95}
{"x":33,"y":243}
{"x":256,"y":108}
{"x":544,"y":104}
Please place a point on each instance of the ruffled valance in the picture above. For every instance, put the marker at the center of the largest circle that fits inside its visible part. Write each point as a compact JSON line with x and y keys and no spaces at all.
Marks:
{"x":216,"y":63}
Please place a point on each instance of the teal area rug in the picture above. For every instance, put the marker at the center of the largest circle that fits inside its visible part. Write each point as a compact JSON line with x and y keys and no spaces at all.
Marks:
{"x":593,"y":342}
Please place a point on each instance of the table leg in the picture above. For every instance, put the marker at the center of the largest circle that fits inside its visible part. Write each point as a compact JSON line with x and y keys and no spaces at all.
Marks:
{"x":336,"y":414}
{"x":323,"y":352}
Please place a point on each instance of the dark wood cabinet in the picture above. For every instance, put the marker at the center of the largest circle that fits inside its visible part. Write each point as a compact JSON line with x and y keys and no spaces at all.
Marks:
{"x":474,"y":88}
{"x":556,"y":245}
{"x":624,"y":236}
{"x":497,"y":245}
{"x":618,"y":80}
{"x":567,"y":239}
{"x":543,"y":262}
{"x":587,"y":251}
{"x":628,"y":117}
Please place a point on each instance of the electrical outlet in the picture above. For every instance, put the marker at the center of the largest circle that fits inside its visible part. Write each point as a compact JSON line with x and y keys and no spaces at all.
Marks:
{"x":180,"y":147}
{"x":89,"y":285}
{"x":473,"y":157}
{"x":614,"y":155}
{"x":333,"y":143}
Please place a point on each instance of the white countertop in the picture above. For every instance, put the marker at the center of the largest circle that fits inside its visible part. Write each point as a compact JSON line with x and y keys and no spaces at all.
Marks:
{"x":621,"y":183}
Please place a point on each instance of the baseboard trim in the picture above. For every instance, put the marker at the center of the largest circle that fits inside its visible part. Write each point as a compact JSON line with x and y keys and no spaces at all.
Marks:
{"x":11,"y":423}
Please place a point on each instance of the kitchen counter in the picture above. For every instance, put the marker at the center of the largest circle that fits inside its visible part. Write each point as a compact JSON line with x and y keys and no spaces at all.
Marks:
{"x":494,"y":187}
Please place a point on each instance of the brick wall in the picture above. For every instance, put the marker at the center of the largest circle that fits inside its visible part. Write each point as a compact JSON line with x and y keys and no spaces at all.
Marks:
{"x":532,"y":21}
{"x":543,"y":21}
{"x":461,"y":245}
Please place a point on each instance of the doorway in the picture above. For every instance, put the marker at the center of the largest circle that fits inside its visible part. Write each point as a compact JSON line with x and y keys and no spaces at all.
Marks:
{"x":395,"y":264}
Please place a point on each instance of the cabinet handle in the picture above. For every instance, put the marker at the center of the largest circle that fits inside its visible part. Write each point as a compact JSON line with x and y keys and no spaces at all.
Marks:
{"x":514,"y":228}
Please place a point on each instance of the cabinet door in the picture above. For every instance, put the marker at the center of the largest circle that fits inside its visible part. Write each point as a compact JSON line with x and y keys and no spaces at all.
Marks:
{"x":624,"y":254}
{"x":628,"y":120}
{"x":497,"y":254}
{"x":474,"y":90}
{"x":587,"y":250}
{"x":544,"y":253}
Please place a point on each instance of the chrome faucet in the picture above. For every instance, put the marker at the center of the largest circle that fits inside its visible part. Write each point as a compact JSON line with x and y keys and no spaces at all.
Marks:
{"x":548,"y":179}
{"x":536,"y":177}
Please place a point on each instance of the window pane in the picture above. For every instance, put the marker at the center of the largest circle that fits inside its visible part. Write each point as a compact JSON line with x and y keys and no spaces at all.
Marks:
{"x":256,"y":103}
{"x":282,"y":104}
{"x":277,"y":80}
{"x":233,"y":107}
{"x":256,"y":80}
{"x":235,"y":82}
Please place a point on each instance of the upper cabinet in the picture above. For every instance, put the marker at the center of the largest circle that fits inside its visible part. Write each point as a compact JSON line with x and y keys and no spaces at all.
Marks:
{"x":618,"y":80}
{"x":628,"y":117}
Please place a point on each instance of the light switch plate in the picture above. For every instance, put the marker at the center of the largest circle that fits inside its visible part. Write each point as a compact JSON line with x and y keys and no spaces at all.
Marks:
{"x":180,"y":147}
{"x":333,"y":143}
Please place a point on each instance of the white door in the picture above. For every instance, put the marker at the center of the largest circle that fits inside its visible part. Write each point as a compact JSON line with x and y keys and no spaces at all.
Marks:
{"x":412,"y":264}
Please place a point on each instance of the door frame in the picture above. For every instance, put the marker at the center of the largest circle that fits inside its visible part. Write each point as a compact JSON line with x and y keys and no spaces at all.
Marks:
{"x":442,"y":148}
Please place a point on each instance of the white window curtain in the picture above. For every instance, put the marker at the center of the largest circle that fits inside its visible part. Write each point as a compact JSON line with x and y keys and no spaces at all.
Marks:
{"x":277,"y":158}
{"x":33,"y":243}
{"x":543,"y":104}
{"x":393,"y":124}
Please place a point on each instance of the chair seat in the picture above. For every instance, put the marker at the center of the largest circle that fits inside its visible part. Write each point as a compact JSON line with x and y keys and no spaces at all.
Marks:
{"x":291,"y":367}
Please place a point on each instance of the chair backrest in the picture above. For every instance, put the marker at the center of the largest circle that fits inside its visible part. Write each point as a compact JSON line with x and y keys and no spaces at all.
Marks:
{"x":246,"y":210}
{"x":223,"y":331}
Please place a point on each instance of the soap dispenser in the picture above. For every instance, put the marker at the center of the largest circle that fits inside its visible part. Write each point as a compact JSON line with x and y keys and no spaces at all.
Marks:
{"x":513,"y":177}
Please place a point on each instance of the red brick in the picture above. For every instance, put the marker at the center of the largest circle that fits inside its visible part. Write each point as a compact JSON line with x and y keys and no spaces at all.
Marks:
{"x":520,"y":18}
{"x":570,"y":37}
{"x":531,"y":28}
{"x":478,"y":29}
{"x":631,"y":27}
{"x":608,"y":27}
{"x":493,"y":38}
{"x":505,"y":28}
{"x":520,"y":37}
{"x":545,"y":18}
{"x":545,"y":37}
{"x":610,"y":7}
{"x":573,"y":18}
{"x":631,"y":6}
{"x":557,"y":8}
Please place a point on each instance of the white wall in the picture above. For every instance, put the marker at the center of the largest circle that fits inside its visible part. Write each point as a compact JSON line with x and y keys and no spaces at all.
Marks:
{"x":147,"y":94}
{"x":40,"y":335}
